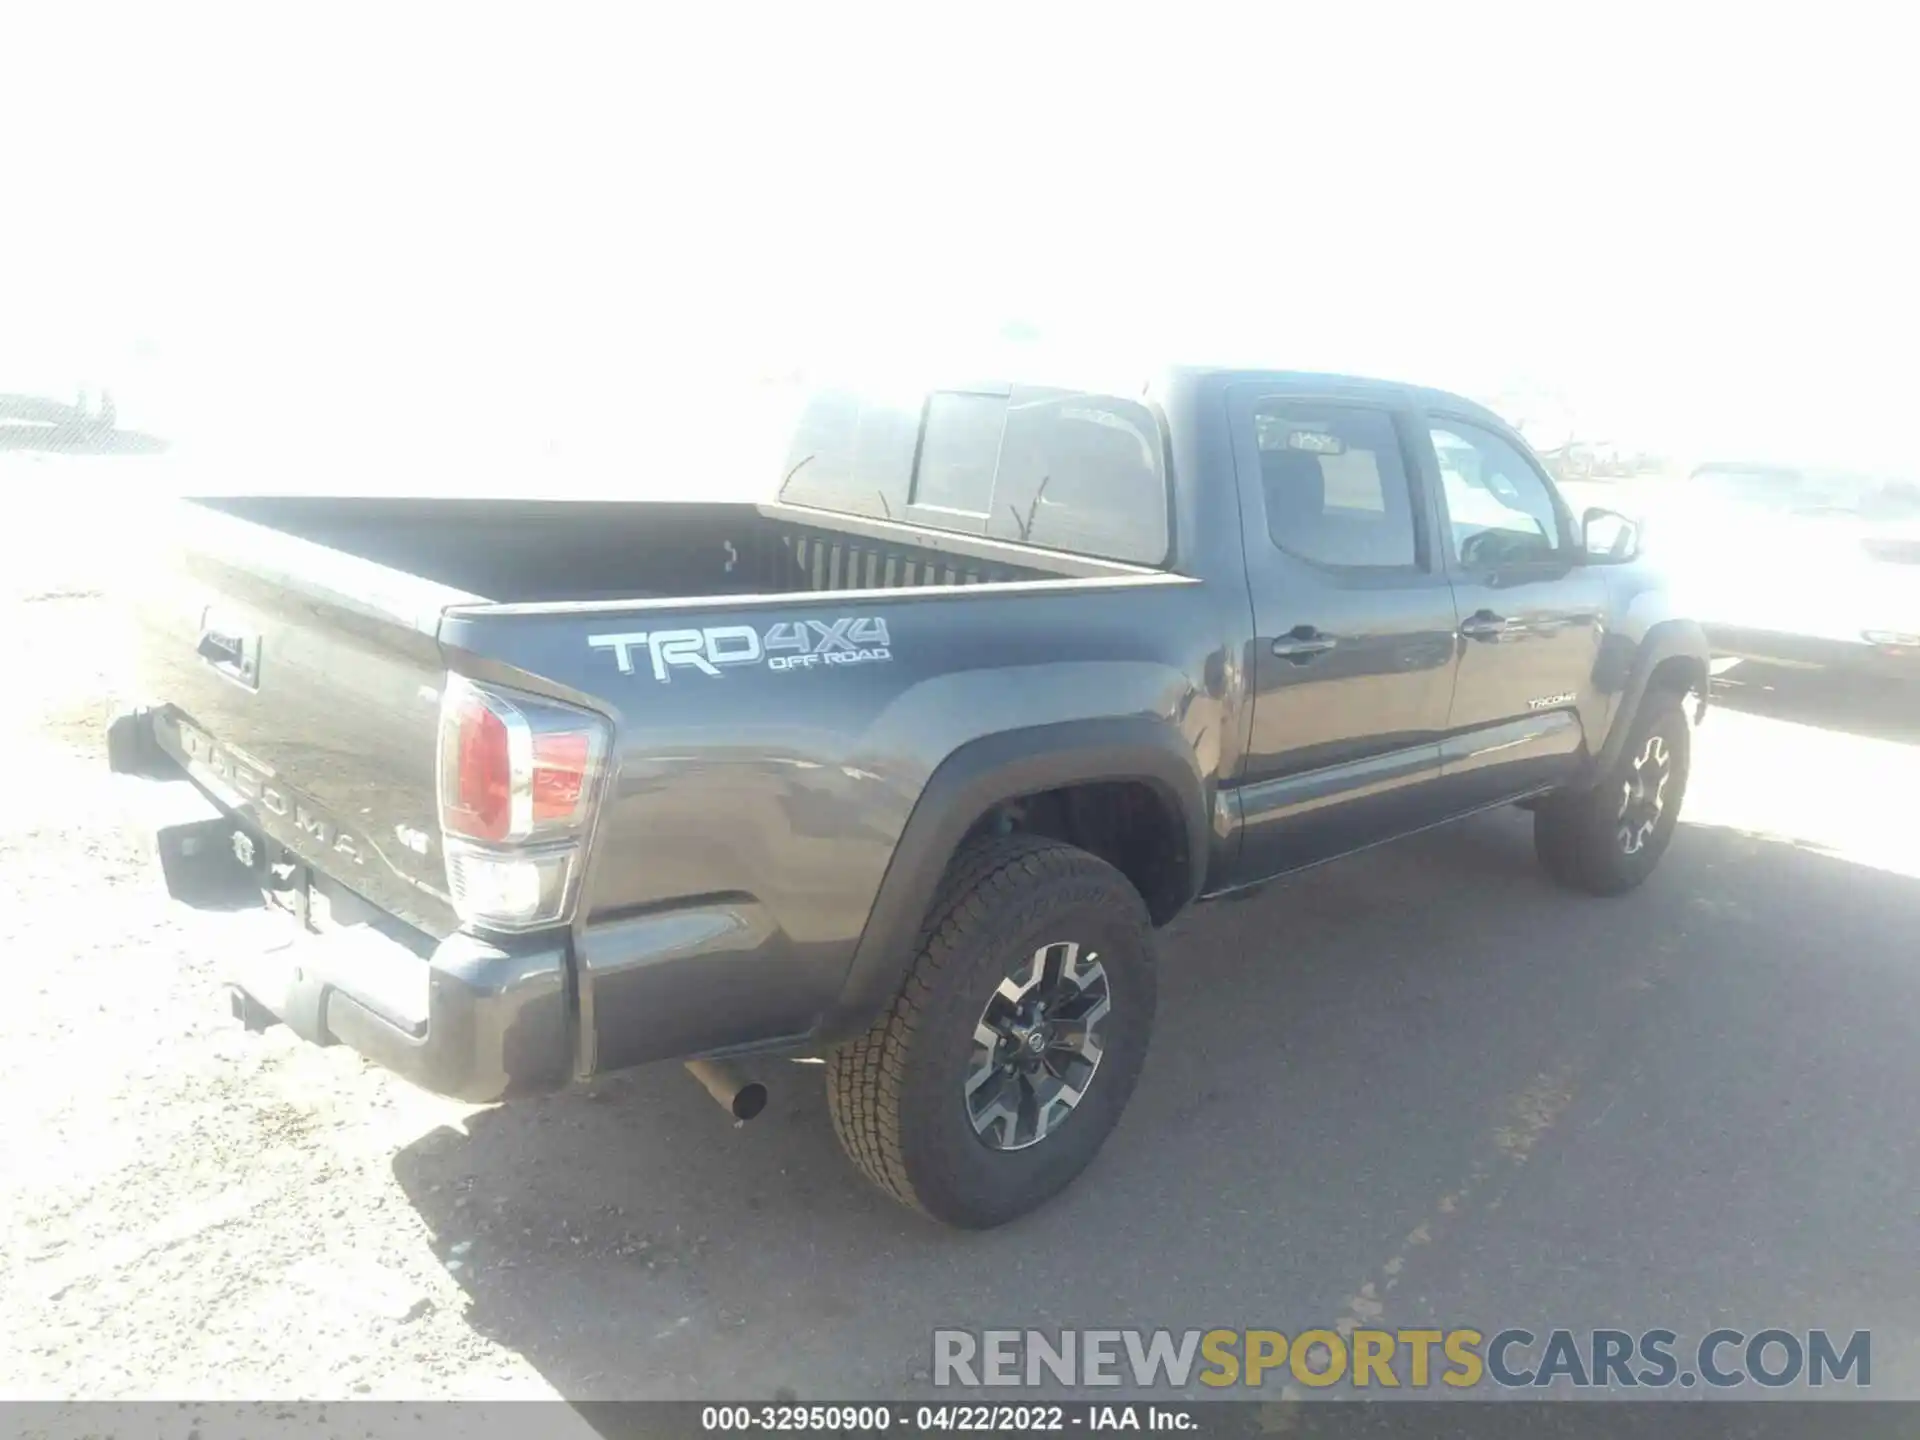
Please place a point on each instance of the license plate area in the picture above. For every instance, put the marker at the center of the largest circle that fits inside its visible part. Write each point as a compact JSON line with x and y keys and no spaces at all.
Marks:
{"x":283,"y":879}
{"x":223,"y":864}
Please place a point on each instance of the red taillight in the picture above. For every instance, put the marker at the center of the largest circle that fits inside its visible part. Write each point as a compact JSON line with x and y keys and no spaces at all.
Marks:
{"x":479,"y":794}
{"x":518,"y":779}
{"x":561,"y":763}
{"x":515,"y":770}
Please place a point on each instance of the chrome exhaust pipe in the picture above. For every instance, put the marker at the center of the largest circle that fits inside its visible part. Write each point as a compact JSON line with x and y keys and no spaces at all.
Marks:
{"x":738,"y":1096}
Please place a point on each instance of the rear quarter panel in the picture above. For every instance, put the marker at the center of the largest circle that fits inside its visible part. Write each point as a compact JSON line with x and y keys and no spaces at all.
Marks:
{"x":762,"y":807}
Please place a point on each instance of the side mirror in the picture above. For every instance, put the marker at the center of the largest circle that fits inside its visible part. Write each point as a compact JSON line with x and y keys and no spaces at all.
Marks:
{"x":1607,"y":535}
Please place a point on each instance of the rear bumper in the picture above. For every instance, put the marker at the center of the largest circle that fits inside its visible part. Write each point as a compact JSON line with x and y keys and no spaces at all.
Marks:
{"x":465,"y":1016}
{"x":490,"y":1024}
{"x":1890,"y":659}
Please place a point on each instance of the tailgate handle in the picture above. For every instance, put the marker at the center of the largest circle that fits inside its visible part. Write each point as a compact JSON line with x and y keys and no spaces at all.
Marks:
{"x":235,"y":656}
{"x":217,"y":647}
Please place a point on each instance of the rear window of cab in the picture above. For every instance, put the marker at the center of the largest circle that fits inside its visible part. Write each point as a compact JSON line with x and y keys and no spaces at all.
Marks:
{"x":1062,"y":469}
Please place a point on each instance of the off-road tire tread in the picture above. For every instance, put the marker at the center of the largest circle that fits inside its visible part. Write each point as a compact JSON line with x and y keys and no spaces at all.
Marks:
{"x":865,"y":1076}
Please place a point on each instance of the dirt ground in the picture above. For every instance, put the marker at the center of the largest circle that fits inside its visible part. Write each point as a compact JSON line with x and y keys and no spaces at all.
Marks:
{"x":192,"y":1211}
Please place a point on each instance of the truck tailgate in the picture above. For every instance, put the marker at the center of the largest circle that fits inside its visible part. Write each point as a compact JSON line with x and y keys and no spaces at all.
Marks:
{"x":301,"y":686}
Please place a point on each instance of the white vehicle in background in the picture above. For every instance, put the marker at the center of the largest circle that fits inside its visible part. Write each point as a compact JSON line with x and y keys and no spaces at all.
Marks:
{"x":32,"y":417}
{"x":1797,"y":567}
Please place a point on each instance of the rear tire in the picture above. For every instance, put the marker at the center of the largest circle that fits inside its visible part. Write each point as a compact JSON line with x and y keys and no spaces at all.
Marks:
{"x":943,"y":1121}
{"x":1607,"y":840}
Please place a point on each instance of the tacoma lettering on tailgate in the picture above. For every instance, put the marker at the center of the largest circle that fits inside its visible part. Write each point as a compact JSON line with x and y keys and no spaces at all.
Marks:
{"x":248,"y":780}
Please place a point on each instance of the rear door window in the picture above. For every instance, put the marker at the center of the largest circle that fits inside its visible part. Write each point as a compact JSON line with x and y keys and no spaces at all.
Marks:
{"x":1335,"y":484}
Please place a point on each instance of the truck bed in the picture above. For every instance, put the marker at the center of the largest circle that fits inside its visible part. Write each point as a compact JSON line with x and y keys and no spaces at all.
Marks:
{"x":299,"y":644}
{"x":520,"y":551}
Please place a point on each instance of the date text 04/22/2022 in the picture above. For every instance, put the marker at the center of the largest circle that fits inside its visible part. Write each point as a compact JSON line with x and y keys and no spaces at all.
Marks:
{"x":960,"y":1418}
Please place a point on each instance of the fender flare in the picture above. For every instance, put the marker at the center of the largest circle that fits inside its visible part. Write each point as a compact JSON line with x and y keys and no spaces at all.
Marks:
{"x":1665,"y":641}
{"x":968,"y":784}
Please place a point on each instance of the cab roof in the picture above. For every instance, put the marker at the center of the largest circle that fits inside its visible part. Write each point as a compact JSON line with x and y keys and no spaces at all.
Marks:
{"x":1358,"y":387}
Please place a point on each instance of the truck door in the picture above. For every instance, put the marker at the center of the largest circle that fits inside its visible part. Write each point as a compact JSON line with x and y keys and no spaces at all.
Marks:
{"x":1353,"y":648}
{"x":1530,"y":615}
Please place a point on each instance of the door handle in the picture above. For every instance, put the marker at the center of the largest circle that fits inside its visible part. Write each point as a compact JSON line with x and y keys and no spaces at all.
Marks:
{"x":1302,"y":644}
{"x":1485,"y":625}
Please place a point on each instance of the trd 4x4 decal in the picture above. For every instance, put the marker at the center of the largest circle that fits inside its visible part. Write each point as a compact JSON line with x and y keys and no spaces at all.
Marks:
{"x":789,"y":645}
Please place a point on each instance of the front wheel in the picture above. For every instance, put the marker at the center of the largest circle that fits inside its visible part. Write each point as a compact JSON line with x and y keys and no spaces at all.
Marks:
{"x":1608,"y":839}
{"x":1012,"y":1048}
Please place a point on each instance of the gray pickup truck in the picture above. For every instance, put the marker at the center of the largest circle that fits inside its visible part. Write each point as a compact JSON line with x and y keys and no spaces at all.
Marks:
{"x":901,"y":769}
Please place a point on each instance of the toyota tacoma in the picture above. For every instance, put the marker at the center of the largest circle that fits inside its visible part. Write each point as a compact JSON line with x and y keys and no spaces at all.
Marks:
{"x":901,"y":768}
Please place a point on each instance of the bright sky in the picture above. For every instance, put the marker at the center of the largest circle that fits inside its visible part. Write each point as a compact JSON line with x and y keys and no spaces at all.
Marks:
{"x":394,"y":224}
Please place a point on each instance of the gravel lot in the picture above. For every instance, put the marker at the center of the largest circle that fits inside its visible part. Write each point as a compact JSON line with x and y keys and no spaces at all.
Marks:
{"x":1420,"y":1085}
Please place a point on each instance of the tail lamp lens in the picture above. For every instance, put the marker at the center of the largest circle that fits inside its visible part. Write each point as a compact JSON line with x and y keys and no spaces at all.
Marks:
{"x":518,"y":779}
{"x":511,"y":889}
{"x":562,"y":768}
{"x":477,"y":777}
